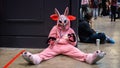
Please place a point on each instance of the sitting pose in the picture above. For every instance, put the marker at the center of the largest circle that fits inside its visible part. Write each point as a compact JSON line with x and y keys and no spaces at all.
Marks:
{"x":62,"y":40}
{"x":88,"y":35}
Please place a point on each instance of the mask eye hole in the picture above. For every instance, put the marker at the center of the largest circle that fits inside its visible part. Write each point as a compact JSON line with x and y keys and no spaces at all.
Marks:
{"x":60,"y":21}
{"x":96,"y":51}
{"x":65,"y":21}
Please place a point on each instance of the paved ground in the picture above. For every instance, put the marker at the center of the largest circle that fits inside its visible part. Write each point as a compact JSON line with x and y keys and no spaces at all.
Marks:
{"x":111,"y":60}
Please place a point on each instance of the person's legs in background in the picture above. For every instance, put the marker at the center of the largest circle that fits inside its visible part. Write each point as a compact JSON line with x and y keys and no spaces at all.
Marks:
{"x":103,"y":38}
{"x":99,"y":9}
{"x":96,"y":13}
{"x":93,"y":12}
{"x":119,"y":12}
{"x":81,"y":14}
{"x":112,"y":10}
{"x":113,"y":13}
{"x":103,"y":10}
{"x":110,"y":40}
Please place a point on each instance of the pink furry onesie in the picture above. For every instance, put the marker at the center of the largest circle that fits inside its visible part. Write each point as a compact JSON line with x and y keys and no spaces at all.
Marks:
{"x":62,"y":40}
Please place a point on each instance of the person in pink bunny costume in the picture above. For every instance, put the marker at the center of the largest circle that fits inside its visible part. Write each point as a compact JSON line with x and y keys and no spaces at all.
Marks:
{"x":62,"y":40}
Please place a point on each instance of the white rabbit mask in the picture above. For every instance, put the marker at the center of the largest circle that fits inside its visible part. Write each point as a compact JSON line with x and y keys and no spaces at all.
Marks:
{"x":63,"y":21}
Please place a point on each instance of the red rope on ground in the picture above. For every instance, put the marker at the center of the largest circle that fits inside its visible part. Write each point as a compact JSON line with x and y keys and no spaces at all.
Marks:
{"x":13,"y":59}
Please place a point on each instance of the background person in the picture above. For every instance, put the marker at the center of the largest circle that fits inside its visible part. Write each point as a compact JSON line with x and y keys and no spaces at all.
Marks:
{"x":88,"y":35}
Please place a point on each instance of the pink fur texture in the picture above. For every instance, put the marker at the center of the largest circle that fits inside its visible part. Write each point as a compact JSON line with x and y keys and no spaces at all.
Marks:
{"x":61,"y":40}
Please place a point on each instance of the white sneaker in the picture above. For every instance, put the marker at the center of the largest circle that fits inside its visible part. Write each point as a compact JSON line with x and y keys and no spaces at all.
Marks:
{"x":96,"y":56}
{"x":30,"y":58}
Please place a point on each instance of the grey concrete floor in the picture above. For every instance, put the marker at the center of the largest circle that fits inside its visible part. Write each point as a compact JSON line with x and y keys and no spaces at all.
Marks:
{"x":111,"y":60}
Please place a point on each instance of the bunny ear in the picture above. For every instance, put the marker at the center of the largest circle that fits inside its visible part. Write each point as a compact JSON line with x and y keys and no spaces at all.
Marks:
{"x":66,"y":11}
{"x":54,"y":17}
{"x":57,"y":12}
{"x":71,"y":17}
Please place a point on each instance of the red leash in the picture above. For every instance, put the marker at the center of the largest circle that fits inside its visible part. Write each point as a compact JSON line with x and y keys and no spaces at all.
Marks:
{"x":13,"y":59}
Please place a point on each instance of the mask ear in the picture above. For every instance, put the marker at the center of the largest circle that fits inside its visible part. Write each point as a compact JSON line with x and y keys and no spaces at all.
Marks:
{"x":54,"y":17}
{"x":57,"y":12}
{"x":71,"y":17}
{"x":66,"y":11}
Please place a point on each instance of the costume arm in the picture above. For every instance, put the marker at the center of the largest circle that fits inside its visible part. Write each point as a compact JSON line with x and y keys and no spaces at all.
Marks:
{"x":72,"y":38}
{"x":52,"y":36}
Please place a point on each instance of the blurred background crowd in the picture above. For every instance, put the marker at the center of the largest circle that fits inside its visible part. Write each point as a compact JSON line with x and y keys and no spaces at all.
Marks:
{"x":101,"y":8}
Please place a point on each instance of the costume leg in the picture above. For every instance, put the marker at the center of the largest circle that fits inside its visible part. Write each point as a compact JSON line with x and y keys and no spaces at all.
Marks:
{"x":46,"y":54}
{"x":49,"y":53}
{"x":74,"y":53}
{"x":31,"y":58}
{"x":81,"y":56}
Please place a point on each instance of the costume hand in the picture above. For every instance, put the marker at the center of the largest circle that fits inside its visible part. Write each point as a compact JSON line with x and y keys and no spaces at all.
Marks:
{"x":65,"y":37}
{"x":51,"y":40}
{"x":72,"y":37}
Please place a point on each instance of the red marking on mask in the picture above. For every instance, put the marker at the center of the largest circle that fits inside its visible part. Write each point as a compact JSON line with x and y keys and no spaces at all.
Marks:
{"x":55,"y":17}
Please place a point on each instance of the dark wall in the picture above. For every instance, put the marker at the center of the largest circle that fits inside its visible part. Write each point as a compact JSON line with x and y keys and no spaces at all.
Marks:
{"x":26,"y":23}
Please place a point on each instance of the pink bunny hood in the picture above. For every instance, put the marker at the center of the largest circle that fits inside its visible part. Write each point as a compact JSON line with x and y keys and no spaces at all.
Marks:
{"x":63,"y":21}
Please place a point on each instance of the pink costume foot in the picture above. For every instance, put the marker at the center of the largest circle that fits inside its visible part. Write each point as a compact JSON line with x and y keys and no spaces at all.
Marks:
{"x":96,"y":56}
{"x":30,"y":58}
